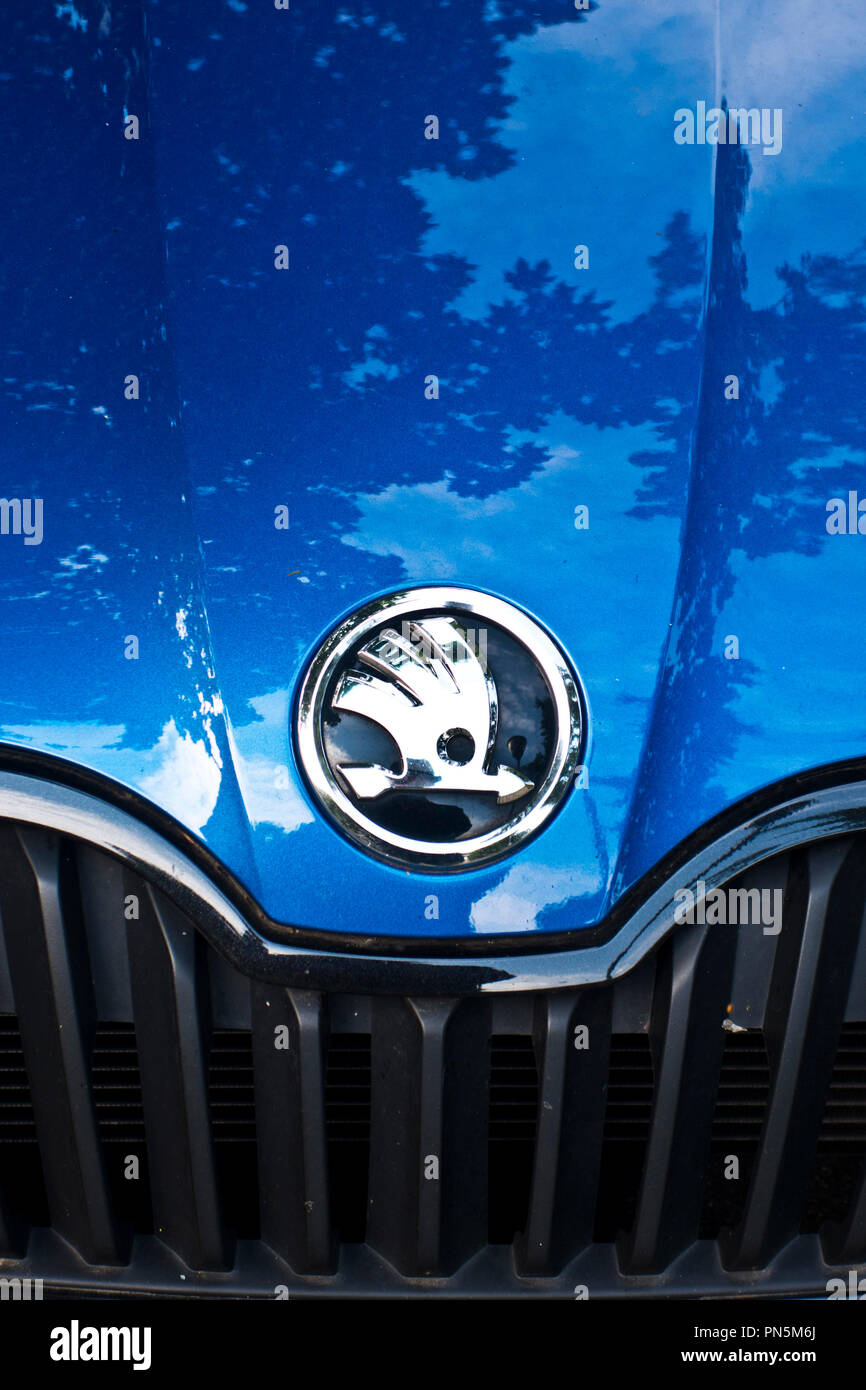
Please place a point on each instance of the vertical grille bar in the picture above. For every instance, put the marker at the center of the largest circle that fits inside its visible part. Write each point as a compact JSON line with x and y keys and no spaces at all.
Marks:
{"x":172,"y":1024}
{"x":570,"y":1128}
{"x":692,"y":989}
{"x":805,"y":1008}
{"x":48,"y":963}
{"x":428,"y":1144}
{"x":290,"y":1125}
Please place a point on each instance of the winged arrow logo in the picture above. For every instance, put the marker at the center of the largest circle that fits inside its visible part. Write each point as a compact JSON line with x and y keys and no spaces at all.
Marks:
{"x":427,"y":687}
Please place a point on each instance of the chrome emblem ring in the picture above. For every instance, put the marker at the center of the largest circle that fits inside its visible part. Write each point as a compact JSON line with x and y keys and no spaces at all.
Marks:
{"x":440,"y":728}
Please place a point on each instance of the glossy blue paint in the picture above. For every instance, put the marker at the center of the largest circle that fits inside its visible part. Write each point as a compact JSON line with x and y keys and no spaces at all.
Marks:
{"x":558,"y":388}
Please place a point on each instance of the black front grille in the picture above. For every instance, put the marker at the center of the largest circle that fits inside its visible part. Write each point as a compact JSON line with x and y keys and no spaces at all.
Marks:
{"x":697,"y":1126}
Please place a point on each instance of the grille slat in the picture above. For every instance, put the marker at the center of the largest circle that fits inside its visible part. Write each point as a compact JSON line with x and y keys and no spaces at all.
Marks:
{"x":293,"y":1159}
{"x":692,"y":988}
{"x":567,"y":1160}
{"x":51,"y":980}
{"x":805,"y":1010}
{"x":428,"y":1147}
{"x":172,"y":1024}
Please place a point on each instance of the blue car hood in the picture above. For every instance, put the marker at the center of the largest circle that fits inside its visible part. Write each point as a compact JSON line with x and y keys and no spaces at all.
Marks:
{"x":554,"y":344}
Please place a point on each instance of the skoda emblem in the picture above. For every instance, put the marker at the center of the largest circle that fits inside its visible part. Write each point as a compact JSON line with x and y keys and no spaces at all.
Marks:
{"x":439,"y":728}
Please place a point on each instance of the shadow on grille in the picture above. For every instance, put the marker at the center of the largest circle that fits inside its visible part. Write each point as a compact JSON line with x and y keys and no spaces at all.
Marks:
{"x":347,"y":1121}
{"x":20,"y":1162}
{"x":744,"y":1087}
{"x":842,"y":1141}
{"x":233,"y":1117}
{"x":512,"y":1123}
{"x":626,"y":1129}
{"x":120,"y":1117}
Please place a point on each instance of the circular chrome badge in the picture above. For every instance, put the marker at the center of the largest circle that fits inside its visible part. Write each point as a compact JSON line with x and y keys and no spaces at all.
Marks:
{"x":440,"y":727}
